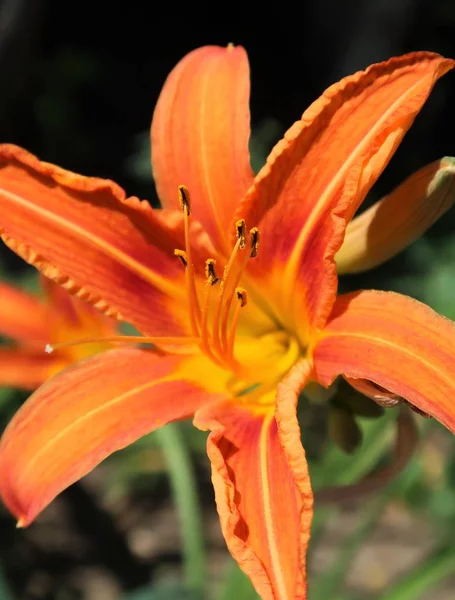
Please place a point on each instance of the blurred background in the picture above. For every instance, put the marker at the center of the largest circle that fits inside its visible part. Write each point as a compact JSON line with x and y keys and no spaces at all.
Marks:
{"x":78,"y":82}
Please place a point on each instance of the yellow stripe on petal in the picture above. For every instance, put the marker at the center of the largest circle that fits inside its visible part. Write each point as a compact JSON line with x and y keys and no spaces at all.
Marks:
{"x":83,"y":233}
{"x":200,"y":133}
{"x":318,"y":175}
{"x":398,"y":219}
{"x":395,"y":342}
{"x":262,"y":487}
{"x":82,"y":415}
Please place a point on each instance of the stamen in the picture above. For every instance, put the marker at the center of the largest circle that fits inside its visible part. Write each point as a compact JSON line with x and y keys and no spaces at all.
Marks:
{"x":242,"y":296}
{"x":195,"y":309}
{"x":184,"y":199}
{"x":181,"y":255}
{"x":215,"y":337}
{"x":243,"y":299}
{"x":210,"y":272}
{"x":129,"y":339}
{"x":222,"y":308}
{"x":240,"y":227}
{"x":205,"y":334}
{"x":255,"y":239}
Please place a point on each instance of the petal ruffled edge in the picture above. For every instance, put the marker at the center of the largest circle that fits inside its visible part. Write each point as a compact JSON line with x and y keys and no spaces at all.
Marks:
{"x":262,"y":487}
{"x":79,"y":417}
{"x":397,"y":343}
{"x":317,"y":176}
{"x":97,"y":241}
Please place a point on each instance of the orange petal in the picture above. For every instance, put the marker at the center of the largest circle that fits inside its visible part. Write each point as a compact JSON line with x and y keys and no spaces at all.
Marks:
{"x":84,"y":234}
{"x":72,"y":317}
{"x":262,"y":489}
{"x":395,"y":342}
{"x":81,"y":416}
{"x":200,"y":133}
{"x":26,"y":369}
{"x":397,"y":220}
{"x":23,"y":317}
{"x":317,"y":176}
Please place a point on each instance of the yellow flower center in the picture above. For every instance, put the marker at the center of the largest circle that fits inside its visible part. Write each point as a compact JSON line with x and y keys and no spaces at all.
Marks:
{"x":248,"y":364}
{"x":257,"y":363}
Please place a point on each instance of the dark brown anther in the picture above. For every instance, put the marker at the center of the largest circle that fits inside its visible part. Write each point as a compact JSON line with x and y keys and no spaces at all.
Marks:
{"x":240,"y":228}
{"x":255,"y":238}
{"x":181,"y":255}
{"x":242,"y":296}
{"x":210,"y":272}
{"x":184,"y":199}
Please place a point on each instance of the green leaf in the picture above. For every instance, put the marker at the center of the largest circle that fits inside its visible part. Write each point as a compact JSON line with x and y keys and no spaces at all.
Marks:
{"x":183,"y":485}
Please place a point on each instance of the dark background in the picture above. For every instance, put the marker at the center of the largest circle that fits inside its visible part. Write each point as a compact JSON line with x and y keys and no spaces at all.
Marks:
{"x":79,"y":80}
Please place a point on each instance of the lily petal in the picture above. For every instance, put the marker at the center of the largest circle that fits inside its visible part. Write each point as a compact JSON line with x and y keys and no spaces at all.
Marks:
{"x":397,"y":220}
{"x":262,"y":488}
{"x":82,"y":415}
{"x":84,"y":234}
{"x":317,"y":176}
{"x":71,"y":316}
{"x":26,"y":369}
{"x":397,"y":343}
{"x":23,"y":317}
{"x":200,"y":134}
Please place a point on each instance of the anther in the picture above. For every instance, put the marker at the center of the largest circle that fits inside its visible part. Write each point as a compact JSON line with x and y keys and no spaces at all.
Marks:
{"x":255,"y":239}
{"x":181,"y":255}
{"x":242,"y":296}
{"x":240,"y":227}
{"x":184,"y":199}
{"x":210,"y":272}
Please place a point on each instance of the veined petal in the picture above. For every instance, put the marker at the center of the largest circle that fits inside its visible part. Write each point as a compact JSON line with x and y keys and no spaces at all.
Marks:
{"x":26,"y":369}
{"x":23,"y":317}
{"x":84,"y":234}
{"x":262,"y":488}
{"x":200,"y":134}
{"x":395,"y":342}
{"x":84,"y":414}
{"x":397,"y":220}
{"x":72,"y":317}
{"x":317,"y":176}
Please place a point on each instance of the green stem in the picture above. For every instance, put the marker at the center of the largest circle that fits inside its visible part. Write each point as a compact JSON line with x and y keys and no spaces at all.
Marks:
{"x":186,"y":499}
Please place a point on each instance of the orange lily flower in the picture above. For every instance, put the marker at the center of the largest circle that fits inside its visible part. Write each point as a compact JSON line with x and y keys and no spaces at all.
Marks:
{"x":236,"y":287}
{"x":32,"y":323}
